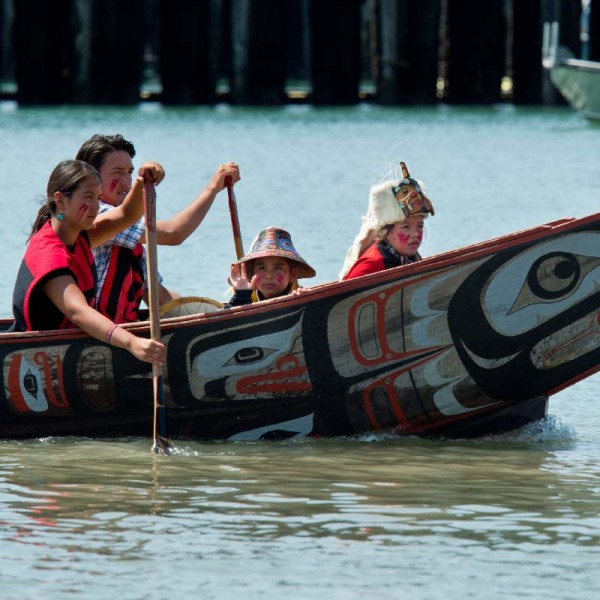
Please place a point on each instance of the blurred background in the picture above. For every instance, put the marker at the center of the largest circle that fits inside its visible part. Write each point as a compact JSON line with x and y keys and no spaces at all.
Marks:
{"x":271,"y":52}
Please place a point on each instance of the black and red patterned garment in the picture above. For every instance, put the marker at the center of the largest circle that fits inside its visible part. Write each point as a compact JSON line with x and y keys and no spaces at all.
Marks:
{"x":48,"y":257}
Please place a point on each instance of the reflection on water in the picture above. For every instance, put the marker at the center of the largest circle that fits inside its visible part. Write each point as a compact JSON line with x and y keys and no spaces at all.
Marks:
{"x":354,"y":488}
{"x":495,"y":502}
{"x":499,"y":502}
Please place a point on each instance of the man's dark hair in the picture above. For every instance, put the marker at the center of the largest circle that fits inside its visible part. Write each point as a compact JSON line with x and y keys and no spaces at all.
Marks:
{"x":94,"y":150}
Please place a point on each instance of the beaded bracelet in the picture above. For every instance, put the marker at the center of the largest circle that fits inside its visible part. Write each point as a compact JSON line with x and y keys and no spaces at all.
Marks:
{"x":110,"y":332}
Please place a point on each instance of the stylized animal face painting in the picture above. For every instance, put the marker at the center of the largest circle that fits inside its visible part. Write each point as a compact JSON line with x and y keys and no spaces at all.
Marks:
{"x":435,"y":346}
{"x":40,"y":380}
{"x":397,"y":360}
{"x":527,"y":321}
{"x":245,"y":362}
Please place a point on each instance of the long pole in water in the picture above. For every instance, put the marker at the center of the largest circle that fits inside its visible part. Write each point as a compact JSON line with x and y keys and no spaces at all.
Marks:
{"x":161,"y":444}
{"x":235,"y":221}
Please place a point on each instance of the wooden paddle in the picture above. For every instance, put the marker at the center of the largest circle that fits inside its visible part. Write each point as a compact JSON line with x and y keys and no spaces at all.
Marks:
{"x":161,"y":444}
{"x":235,"y":222}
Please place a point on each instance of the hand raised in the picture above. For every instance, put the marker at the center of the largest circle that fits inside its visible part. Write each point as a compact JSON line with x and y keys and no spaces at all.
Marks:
{"x":238,"y":279}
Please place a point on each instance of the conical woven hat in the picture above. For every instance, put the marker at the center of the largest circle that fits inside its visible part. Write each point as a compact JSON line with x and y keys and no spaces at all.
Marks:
{"x":274,"y":241}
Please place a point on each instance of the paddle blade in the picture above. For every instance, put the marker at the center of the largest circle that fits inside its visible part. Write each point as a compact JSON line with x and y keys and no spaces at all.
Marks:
{"x":162,"y":444}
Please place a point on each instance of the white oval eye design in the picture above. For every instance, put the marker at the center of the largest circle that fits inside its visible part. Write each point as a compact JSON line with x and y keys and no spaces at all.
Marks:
{"x":539,"y":284}
{"x":242,"y":355}
{"x":249,"y":355}
{"x":553,"y":277}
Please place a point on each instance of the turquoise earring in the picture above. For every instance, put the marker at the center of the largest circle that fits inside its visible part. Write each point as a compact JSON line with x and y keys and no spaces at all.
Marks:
{"x":60,"y":216}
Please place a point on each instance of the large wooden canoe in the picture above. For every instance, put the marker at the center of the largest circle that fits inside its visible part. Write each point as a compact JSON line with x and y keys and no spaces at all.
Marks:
{"x":464,"y":343}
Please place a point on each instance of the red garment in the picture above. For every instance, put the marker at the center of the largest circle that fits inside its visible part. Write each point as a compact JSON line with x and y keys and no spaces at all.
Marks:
{"x":378,"y":257}
{"x":48,"y":257}
{"x":123,"y":288}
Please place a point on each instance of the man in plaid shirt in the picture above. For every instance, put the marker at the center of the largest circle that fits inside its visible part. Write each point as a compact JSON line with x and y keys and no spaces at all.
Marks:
{"x":121,"y":263}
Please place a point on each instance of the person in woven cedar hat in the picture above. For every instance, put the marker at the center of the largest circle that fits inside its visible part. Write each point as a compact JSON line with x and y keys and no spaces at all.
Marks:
{"x":270,"y":269}
{"x":392,"y":230}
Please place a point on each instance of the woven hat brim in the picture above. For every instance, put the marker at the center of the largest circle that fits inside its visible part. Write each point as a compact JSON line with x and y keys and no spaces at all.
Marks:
{"x":304,"y":269}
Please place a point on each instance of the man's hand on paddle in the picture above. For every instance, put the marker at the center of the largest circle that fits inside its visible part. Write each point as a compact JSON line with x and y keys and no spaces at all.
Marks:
{"x":225,"y":170}
{"x":152,"y":171}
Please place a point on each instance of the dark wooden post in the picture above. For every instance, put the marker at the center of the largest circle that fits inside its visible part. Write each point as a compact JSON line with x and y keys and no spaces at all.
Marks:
{"x":409,"y":42}
{"x":187,"y":61}
{"x":110,"y":46}
{"x":391,"y":64}
{"x":569,"y":18}
{"x":476,"y":33}
{"x":259,"y":45}
{"x":6,"y":40}
{"x":43,"y":33}
{"x":549,"y":13}
{"x":526,"y":57}
{"x":595,"y":31}
{"x":335,"y":51}
{"x":298,"y":40}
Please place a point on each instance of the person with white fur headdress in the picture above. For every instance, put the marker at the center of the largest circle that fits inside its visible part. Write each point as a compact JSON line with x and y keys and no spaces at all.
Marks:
{"x":392,"y":229}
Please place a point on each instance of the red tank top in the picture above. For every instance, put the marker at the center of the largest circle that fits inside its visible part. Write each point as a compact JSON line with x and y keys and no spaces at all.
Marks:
{"x":48,"y":257}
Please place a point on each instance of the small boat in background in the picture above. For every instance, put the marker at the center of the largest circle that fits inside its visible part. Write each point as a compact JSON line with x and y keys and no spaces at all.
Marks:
{"x":577,"y":79}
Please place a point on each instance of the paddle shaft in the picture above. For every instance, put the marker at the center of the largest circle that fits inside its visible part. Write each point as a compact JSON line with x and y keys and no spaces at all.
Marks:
{"x":161,"y":442}
{"x":235,"y":221}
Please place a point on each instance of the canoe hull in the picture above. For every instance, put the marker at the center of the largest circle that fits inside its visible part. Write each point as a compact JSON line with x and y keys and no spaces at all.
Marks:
{"x":462,"y":344}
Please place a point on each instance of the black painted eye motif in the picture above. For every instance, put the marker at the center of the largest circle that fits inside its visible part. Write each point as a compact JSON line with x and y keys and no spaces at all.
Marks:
{"x":537,"y":285}
{"x":249,"y":355}
{"x":554,"y":275}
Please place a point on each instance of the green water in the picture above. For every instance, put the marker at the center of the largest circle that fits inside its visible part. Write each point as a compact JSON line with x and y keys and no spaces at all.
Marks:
{"x":370,"y":517}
